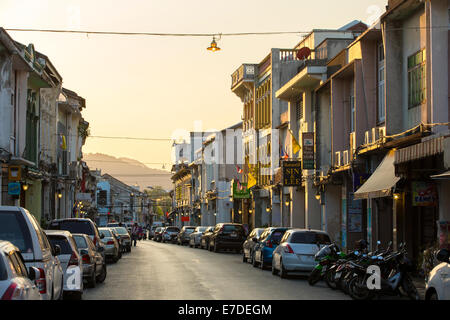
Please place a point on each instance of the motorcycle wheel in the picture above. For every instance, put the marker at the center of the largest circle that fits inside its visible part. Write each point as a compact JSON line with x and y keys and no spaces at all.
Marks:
{"x":314,"y":276}
{"x":410,"y":289}
{"x":329,"y":279}
{"x":357,"y":291}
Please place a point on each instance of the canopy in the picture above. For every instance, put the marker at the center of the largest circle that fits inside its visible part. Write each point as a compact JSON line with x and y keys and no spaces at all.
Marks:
{"x":445,"y":175}
{"x":381,"y":181}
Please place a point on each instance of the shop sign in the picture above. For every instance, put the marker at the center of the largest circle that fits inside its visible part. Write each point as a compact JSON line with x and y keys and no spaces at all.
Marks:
{"x":14,"y":188}
{"x":185,"y":219}
{"x":424,"y":194}
{"x":292,"y":173}
{"x":241,"y":193}
{"x":308,"y":150}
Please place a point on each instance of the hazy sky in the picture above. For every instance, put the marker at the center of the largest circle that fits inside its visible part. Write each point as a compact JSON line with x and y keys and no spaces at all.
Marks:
{"x":140,"y":86}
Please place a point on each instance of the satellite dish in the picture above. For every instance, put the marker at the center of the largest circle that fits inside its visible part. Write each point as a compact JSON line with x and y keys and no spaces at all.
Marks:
{"x":303,"y":53}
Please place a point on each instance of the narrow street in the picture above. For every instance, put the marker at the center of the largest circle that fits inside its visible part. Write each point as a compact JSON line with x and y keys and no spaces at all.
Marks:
{"x":170,"y":272}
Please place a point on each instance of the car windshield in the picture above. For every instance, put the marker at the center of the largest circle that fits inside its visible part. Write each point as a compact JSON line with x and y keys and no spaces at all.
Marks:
{"x":14,"y":229}
{"x":259,"y":232}
{"x":233,"y":228}
{"x":121,"y":230}
{"x":190,"y":230}
{"x":158,"y":229}
{"x":172,"y":229}
{"x":105,"y":232}
{"x":277,"y":235}
{"x":62,"y":242}
{"x":80,"y":241}
{"x":201,"y":229}
{"x":74,"y":226}
{"x":110,"y":225}
{"x":310,"y":238}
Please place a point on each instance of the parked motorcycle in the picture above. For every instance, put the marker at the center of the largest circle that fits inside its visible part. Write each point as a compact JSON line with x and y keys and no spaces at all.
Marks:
{"x":325,"y":257}
{"x":394,"y":277}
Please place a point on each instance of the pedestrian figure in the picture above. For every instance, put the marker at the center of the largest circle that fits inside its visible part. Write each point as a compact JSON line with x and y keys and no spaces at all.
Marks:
{"x":134,"y":233}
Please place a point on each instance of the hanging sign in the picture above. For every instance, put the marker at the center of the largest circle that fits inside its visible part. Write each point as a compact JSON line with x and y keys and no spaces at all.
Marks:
{"x":308,"y":150}
{"x":424,"y":194}
{"x":292,"y":173}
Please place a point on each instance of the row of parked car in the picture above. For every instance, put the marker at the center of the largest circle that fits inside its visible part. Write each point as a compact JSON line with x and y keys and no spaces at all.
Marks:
{"x":55,"y":263}
{"x":284,"y":250}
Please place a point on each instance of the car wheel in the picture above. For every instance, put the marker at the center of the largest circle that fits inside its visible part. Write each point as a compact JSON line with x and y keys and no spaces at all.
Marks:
{"x":274,"y":271}
{"x":433,"y":296}
{"x":91,"y":281}
{"x":101,"y":278}
{"x":216,"y":248}
{"x":283,"y":272}
{"x":262,"y":265}
{"x":254,"y":262}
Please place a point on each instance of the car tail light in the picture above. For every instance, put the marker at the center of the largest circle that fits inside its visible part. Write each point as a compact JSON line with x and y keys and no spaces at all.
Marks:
{"x":86,"y":258}
{"x":40,"y":282}
{"x":110,"y":242}
{"x":12,"y":293}
{"x":268,"y":244}
{"x":288,"y":249}
{"x":73,"y":259}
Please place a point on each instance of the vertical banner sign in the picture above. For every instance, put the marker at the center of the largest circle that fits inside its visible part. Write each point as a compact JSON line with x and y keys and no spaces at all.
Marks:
{"x":292,"y":173}
{"x":308,"y":150}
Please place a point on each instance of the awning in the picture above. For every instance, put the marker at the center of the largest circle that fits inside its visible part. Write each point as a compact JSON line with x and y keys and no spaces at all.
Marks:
{"x":420,"y":150}
{"x":381,"y":181}
{"x":445,"y":175}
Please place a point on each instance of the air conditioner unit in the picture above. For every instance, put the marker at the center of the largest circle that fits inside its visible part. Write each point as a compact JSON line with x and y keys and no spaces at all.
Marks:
{"x":345,"y":158}
{"x":337,"y":159}
{"x":352,"y":143}
{"x":367,"y":138}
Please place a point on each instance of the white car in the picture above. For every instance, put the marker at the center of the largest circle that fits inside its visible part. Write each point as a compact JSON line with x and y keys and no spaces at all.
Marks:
{"x":296,"y":251}
{"x":16,"y":282}
{"x":20,"y":228}
{"x":71,"y":262}
{"x":438,"y":285}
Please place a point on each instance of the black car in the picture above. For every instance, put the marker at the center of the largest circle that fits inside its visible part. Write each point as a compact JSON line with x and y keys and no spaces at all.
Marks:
{"x":204,"y":242}
{"x":227,"y":236}
{"x":183,"y":235}
{"x":79,"y":225}
{"x":250,"y":243}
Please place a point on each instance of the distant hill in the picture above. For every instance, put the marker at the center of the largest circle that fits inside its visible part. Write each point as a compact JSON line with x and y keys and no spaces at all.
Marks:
{"x":129,"y":171}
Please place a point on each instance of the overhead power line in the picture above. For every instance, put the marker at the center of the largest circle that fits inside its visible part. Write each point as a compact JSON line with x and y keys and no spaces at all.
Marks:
{"x":226,"y":34}
{"x":158,"y":34}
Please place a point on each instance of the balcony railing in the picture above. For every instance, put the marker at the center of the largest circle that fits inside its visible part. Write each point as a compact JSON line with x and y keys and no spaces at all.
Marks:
{"x":244,"y":72}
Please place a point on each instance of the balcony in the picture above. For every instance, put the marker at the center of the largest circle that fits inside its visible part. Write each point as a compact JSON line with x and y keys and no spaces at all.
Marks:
{"x":242,"y":79}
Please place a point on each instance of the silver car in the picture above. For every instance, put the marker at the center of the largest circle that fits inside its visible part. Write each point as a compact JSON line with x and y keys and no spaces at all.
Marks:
{"x":297,"y":250}
{"x":112,"y":247}
{"x":196,"y":237}
{"x":16,"y":281}
{"x":70,"y":260}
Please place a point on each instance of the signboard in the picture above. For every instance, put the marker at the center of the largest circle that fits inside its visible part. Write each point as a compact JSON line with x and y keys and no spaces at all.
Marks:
{"x":292,"y":173}
{"x":424,"y":194}
{"x":308,"y":150}
{"x":84,"y":197}
{"x":14,"y":173}
{"x":243,"y":193}
{"x":14,"y":188}
{"x":184,"y":218}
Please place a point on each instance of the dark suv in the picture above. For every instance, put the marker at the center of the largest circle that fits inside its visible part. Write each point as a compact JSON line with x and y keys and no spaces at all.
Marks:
{"x":227,"y":236}
{"x":79,"y":225}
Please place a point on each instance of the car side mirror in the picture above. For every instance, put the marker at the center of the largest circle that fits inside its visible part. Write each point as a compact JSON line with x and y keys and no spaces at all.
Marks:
{"x":83,"y":252}
{"x":56,"y":250}
{"x":254,"y":239}
{"x":102,"y":236}
{"x":33,"y":273}
{"x":443,"y":255}
{"x":100,"y":249}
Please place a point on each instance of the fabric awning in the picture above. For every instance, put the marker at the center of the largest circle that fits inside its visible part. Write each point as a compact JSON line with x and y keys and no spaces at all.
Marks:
{"x":445,"y":175}
{"x":381,"y":181}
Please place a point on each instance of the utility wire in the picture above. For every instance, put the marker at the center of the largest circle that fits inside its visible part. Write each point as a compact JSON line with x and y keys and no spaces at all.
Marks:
{"x":162,"y":34}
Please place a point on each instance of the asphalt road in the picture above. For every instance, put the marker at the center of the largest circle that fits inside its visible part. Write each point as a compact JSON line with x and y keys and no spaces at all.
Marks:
{"x":170,"y":272}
